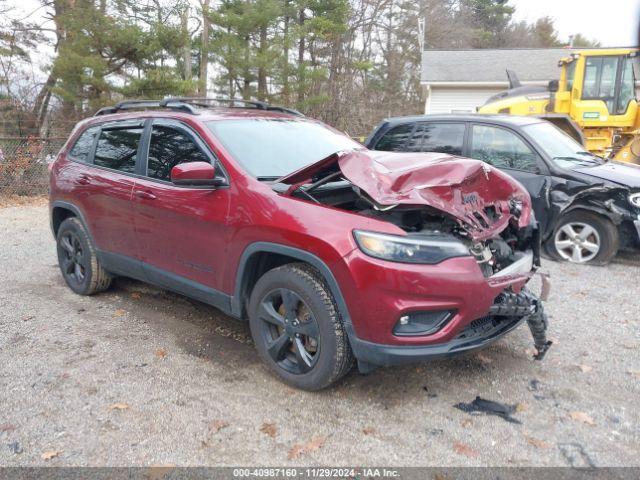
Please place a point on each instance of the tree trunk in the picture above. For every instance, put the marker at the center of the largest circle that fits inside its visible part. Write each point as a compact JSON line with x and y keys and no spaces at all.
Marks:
{"x":186,"y":52}
{"x":285,"y":55}
{"x":204,"y":53}
{"x":246,"y":80}
{"x":301,"y":50}
{"x":262,"y":68}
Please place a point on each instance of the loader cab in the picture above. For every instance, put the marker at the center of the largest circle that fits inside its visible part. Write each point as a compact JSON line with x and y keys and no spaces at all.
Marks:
{"x":597,"y":88}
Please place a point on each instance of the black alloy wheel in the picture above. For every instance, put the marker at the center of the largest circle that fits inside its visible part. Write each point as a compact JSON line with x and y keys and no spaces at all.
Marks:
{"x":290,"y":331}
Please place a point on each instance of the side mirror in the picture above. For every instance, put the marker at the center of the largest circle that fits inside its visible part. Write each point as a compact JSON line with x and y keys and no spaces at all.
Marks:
{"x":196,"y":174}
{"x":554,"y":86}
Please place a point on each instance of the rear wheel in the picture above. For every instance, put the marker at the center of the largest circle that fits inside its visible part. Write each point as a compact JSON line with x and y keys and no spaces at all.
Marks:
{"x":584,"y":237}
{"x":78,"y":260}
{"x":297,"y":329}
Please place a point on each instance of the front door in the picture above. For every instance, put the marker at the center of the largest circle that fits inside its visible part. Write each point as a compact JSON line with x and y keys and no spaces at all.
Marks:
{"x":506,"y":150}
{"x":181,"y":232}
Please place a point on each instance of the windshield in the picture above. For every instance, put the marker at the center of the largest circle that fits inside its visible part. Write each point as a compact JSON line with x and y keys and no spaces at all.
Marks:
{"x":271,"y":148}
{"x":564,"y":150}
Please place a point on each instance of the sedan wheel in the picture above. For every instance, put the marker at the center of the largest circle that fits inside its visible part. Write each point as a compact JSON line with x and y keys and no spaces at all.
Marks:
{"x":577,"y":242}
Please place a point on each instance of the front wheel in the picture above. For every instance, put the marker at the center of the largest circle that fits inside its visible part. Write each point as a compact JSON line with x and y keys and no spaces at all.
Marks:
{"x":297,"y":329}
{"x":584,"y":237}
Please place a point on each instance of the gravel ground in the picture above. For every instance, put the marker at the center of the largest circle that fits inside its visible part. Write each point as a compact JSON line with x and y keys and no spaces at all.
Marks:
{"x":139,"y":376}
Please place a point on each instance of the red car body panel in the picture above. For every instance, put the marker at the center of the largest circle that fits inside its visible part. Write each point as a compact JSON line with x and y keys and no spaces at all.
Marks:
{"x":201,"y":234}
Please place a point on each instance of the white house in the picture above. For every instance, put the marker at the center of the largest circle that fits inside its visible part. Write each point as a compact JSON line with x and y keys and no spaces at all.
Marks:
{"x":458,"y":81}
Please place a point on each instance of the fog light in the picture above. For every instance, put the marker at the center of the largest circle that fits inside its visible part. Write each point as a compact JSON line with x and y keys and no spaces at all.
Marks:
{"x":422,"y":323}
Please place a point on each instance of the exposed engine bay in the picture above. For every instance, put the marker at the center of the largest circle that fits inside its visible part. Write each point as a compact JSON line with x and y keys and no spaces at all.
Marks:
{"x":493,"y":253}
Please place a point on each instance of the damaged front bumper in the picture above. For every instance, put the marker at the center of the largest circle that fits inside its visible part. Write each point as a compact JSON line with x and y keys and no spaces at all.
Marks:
{"x":508,"y":311}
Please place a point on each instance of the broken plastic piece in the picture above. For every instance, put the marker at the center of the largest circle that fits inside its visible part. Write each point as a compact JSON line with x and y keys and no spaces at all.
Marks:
{"x":490,"y":408}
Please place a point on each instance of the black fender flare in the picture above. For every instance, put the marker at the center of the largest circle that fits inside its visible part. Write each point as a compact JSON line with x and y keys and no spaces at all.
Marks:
{"x":72,"y":208}
{"x":303,"y":256}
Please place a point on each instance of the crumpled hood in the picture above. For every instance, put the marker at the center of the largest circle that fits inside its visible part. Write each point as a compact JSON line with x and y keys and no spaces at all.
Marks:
{"x":466,"y":189}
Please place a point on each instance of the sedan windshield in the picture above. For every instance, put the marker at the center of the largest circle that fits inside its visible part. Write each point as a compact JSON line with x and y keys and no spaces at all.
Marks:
{"x":563,"y":149}
{"x":271,"y":148}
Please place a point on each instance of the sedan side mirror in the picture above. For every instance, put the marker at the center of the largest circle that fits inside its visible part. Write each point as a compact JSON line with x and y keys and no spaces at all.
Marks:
{"x":196,"y":174}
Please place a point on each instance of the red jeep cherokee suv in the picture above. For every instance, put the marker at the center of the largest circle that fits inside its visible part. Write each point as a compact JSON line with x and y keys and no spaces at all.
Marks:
{"x":332,"y":252}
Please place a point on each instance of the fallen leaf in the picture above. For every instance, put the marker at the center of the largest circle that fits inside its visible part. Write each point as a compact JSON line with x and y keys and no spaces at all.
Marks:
{"x":521,"y":407}
{"x":160,"y":353}
{"x":466,"y":423}
{"x":537,"y":443}
{"x":484,"y":358}
{"x":465,"y":450}
{"x":369,"y":430}
{"x":269,"y":429}
{"x":7,"y":427}
{"x":135,"y":295}
{"x":50,"y":454}
{"x":634,"y":373}
{"x":119,"y":313}
{"x":629,"y":346}
{"x":118,"y":406}
{"x":218,"y":425}
{"x":581,"y":417}
{"x":302,"y":449}
{"x":585,"y":368}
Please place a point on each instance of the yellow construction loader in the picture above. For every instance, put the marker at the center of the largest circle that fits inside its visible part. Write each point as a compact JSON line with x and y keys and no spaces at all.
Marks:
{"x":594,"y":101}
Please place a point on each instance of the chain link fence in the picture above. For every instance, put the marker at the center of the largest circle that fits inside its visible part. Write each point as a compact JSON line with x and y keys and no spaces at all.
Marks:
{"x":24,"y":162}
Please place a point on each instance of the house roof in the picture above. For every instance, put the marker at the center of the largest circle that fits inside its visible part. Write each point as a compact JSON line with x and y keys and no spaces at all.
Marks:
{"x":487,"y":65}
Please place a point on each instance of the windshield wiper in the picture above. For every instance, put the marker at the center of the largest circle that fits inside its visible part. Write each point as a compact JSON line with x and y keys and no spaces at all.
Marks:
{"x":267,"y":179}
{"x":588,"y":161}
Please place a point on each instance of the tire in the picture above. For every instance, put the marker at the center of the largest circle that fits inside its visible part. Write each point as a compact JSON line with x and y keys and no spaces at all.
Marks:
{"x":293,"y":315}
{"x":590,"y":230}
{"x":78,"y":260}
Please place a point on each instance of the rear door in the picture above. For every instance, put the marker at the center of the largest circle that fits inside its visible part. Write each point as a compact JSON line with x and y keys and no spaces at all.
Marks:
{"x":105,"y":184}
{"x":181,"y":232}
{"x":441,"y":137}
{"x":505,"y":149}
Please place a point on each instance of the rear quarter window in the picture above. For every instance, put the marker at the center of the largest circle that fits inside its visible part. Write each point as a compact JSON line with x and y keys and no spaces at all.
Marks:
{"x":81,"y":150}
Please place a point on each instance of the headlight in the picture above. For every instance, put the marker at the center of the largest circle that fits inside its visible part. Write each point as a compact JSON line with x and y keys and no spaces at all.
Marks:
{"x":409,"y":249}
{"x":634,"y":198}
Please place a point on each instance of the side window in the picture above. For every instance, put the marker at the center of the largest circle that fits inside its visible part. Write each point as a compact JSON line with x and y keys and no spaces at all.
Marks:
{"x":82,"y":148}
{"x":600,"y":80}
{"x":502,"y":149}
{"x":443,"y":138}
{"x":395,"y":140}
{"x":168,"y":148}
{"x":627,"y":87}
{"x":118,"y":148}
{"x":571,"y":73}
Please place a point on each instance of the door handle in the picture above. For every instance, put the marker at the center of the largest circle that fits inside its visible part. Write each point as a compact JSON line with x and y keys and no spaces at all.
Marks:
{"x":144,"y":194}
{"x":83,"y":180}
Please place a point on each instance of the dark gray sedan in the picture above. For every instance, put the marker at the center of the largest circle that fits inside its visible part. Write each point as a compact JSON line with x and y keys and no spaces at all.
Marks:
{"x":587,"y":208}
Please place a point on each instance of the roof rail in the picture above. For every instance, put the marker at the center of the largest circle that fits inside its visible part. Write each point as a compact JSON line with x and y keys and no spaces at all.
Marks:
{"x":142,"y":104}
{"x":187,"y":104}
{"x":206,"y":102}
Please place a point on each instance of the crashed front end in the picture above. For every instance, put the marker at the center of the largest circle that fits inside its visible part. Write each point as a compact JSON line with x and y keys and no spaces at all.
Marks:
{"x":454,"y":277}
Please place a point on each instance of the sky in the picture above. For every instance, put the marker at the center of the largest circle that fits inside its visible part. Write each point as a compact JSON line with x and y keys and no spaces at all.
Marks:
{"x":612,"y":22}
